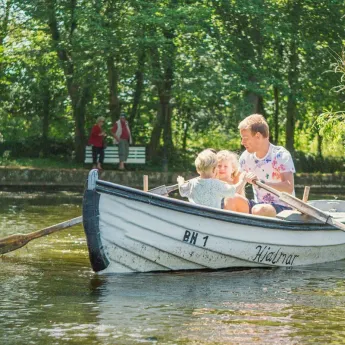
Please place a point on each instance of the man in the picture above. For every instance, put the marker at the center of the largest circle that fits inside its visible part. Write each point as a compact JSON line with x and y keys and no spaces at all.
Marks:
{"x":272,"y":165}
{"x":122,"y":137}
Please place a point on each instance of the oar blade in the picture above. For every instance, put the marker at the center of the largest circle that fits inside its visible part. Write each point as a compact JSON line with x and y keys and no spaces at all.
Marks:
{"x":10,"y":243}
{"x":13,"y":242}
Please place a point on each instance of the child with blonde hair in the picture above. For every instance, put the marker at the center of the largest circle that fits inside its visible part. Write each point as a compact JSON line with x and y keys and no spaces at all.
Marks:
{"x":228,"y":168}
{"x":206,"y":189}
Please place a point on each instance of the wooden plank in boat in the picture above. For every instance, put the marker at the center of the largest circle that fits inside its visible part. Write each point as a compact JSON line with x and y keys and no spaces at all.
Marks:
{"x":295,"y":216}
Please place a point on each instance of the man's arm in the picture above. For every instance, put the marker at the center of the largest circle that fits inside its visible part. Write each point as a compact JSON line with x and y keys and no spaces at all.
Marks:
{"x":286,"y":184}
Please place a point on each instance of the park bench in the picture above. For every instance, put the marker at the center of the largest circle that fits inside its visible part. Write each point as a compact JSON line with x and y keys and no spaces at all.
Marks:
{"x":137,"y":155}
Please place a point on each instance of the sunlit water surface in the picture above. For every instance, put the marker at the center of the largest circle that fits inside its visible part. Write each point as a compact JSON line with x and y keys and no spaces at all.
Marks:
{"x":49,"y":295}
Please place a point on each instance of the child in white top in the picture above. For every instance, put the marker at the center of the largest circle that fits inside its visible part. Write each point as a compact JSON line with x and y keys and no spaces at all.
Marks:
{"x":228,"y":168}
{"x":206,"y":189}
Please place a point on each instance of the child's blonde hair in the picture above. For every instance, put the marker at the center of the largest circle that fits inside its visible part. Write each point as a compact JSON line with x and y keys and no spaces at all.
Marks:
{"x":232,"y":157}
{"x":206,"y":160}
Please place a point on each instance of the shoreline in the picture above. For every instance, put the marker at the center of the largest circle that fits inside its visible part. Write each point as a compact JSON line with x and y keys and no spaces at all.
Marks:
{"x":75,"y":179}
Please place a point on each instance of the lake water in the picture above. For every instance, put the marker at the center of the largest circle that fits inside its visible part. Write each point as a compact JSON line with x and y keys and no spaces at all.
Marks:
{"x":49,"y":295}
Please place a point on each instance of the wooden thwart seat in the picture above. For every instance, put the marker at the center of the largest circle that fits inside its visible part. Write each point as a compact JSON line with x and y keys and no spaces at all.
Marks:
{"x":137,"y":155}
{"x":295,"y":216}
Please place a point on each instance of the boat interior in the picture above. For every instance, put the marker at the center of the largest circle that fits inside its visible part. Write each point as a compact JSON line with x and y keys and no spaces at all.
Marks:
{"x":336,"y":208}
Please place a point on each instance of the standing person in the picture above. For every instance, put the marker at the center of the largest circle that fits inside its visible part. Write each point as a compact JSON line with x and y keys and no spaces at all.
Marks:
{"x":272,"y":165}
{"x":229,"y":168}
{"x":206,"y":189}
{"x":97,"y":140}
{"x":122,"y":137}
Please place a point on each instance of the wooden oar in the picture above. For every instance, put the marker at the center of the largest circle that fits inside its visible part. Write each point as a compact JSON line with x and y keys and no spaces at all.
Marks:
{"x":303,"y":207}
{"x":14,"y":242}
{"x":164,"y":190}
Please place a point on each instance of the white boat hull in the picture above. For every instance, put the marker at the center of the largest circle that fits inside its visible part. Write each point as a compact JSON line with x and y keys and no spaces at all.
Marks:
{"x":133,"y":231}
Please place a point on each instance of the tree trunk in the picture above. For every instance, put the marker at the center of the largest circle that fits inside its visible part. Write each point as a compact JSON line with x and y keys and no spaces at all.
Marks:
{"x":79,"y":94}
{"x":162,"y":125}
{"x":261,"y":106}
{"x":291,"y":112}
{"x":185,"y":136}
{"x":164,"y":84}
{"x":290,"y":122}
{"x":45,"y":120}
{"x":156,"y":134}
{"x":139,"y":85}
{"x":79,"y":116}
{"x":276,"y":115}
{"x":113,"y":76}
{"x":3,"y":34}
{"x":169,"y":80}
{"x":252,"y":103}
{"x":319,"y":145}
{"x":5,"y":21}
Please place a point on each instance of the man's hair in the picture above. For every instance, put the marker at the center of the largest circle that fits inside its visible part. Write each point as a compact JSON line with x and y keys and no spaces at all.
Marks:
{"x":256,"y":123}
{"x":206,"y":160}
{"x":100,"y":118}
{"x":232,"y":158}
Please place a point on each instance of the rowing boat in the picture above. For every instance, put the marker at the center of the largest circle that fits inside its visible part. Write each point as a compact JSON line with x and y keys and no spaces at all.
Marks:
{"x":129,"y":230}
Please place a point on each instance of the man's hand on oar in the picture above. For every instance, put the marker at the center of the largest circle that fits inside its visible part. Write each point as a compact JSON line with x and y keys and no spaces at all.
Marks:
{"x":13,"y":242}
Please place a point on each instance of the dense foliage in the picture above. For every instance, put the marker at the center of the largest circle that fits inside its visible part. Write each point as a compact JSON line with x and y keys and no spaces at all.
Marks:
{"x":185,"y":72}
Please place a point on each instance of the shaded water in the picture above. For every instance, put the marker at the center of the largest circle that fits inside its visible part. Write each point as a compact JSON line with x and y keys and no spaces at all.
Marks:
{"x":49,"y":295}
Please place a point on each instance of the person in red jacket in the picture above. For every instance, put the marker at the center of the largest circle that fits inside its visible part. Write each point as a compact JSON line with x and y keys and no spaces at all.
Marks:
{"x":97,"y":138}
{"x":122,"y":137}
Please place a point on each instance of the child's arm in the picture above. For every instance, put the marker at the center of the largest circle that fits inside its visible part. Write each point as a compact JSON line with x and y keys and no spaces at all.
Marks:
{"x":230,"y":189}
{"x":183,"y":187}
{"x":241,"y":184}
{"x":180,"y":180}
